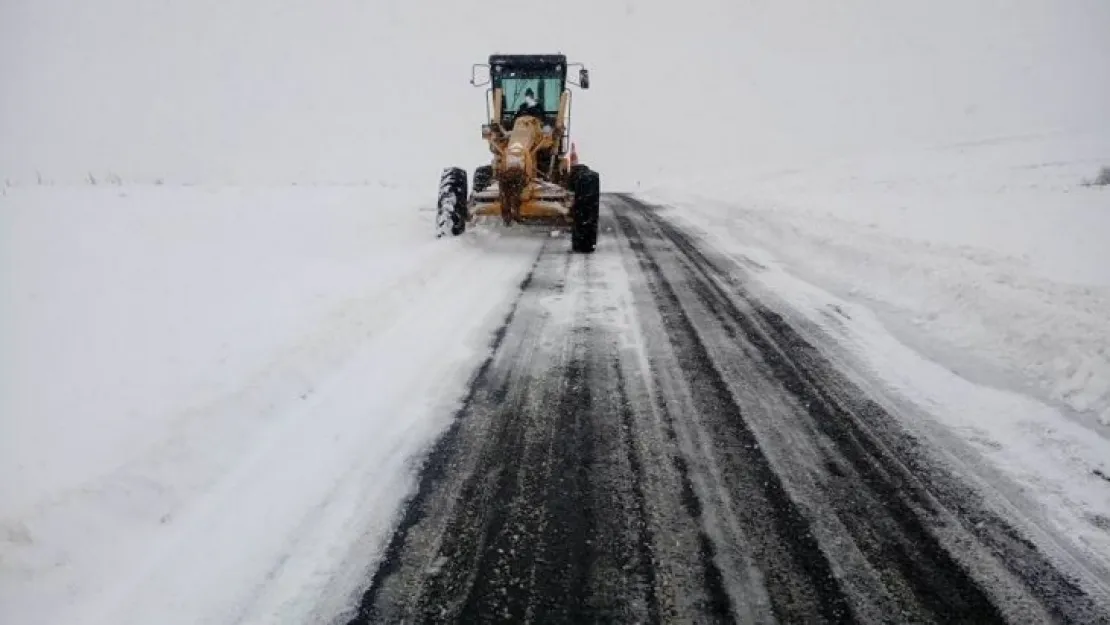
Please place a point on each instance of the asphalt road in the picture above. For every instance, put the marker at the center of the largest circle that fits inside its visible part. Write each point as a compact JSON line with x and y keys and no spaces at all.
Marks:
{"x":649,"y":442}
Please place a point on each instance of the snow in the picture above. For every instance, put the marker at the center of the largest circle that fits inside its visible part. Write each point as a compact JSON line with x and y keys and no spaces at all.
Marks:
{"x":973,"y":280}
{"x":213,"y":396}
{"x":209,"y":393}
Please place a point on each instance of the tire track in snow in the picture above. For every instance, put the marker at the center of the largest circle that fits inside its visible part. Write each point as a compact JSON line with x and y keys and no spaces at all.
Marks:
{"x":796,"y":575}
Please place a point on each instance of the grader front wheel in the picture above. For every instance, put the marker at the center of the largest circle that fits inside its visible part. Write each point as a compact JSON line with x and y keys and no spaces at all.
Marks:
{"x":586,"y":187}
{"x":451,"y":209}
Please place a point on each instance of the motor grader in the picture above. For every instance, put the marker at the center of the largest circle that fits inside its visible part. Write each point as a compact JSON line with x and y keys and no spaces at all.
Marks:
{"x":533,"y":176}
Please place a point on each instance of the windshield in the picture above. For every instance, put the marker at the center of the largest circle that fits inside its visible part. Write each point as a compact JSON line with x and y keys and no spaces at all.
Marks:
{"x":546,"y":91}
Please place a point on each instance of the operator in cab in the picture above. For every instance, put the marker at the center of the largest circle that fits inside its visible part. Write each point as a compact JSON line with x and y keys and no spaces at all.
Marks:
{"x":530,"y":106}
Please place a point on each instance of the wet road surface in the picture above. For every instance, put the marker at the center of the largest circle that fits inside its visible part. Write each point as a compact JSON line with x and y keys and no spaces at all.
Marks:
{"x":650,"y":443}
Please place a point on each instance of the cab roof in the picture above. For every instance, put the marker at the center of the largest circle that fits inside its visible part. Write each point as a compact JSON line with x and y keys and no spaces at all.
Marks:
{"x":556,"y":62}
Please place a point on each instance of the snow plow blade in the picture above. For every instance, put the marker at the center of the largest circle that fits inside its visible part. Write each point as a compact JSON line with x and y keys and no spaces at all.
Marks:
{"x":542,"y":203}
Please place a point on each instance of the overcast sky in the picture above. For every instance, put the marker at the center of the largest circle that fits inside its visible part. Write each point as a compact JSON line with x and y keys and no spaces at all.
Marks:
{"x":343,"y":90}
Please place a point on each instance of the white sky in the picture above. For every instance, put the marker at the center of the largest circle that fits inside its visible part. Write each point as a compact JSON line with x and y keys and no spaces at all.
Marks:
{"x":345,"y":90}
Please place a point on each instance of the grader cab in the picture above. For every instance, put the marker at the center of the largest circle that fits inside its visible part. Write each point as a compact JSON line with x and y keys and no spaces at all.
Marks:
{"x":533,"y":176}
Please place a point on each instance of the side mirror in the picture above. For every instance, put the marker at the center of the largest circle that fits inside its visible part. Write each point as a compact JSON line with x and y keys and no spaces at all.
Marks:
{"x":479,"y":75}
{"x":584,"y":78}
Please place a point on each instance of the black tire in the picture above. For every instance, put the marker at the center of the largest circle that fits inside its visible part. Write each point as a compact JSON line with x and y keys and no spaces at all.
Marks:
{"x":451,"y":209}
{"x":586,"y":186}
{"x":483,"y":177}
{"x":572,"y":175}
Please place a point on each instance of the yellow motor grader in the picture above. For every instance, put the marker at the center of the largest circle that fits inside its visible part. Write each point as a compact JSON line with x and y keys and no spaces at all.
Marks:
{"x":534,"y":176}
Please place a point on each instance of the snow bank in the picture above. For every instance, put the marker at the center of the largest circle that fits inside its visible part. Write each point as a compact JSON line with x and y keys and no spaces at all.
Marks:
{"x":992,"y":255}
{"x":211,"y":397}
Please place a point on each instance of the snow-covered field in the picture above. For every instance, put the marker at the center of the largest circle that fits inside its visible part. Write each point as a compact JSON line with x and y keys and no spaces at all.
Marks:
{"x":211,"y":396}
{"x":973,"y":279}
